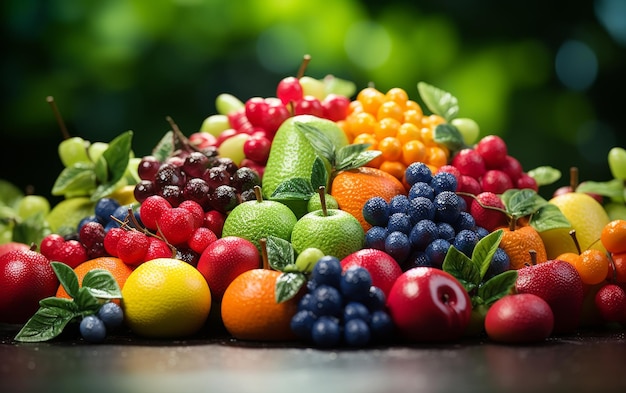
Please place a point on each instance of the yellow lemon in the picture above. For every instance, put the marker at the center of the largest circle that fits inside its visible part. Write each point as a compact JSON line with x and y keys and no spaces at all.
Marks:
{"x":586,"y":216}
{"x":166,"y":298}
{"x":125,"y":195}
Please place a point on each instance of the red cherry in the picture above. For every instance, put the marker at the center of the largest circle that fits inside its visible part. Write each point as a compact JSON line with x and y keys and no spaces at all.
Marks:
{"x":202,"y":140}
{"x":309,"y":105}
{"x":277,"y":113}
{"x":257,"y":149}
{"x":512,"y":167}
{"x":495,"y":181}
{"x":256,"y":111}
{"x":225,"y":135}
{"x":493,"y":150}
{"x":214,"y":220}
{"x":526,"y":181}
{"x":289,"y":90}
{"x":238,"y":118}
{"x":336,"y":107}
{"x":469,"y":163}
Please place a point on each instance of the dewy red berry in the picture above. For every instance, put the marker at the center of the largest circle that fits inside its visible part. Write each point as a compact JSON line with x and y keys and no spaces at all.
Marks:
{"x":495,"y":181}
{"x":490,"y":219}
{"x":176,"y":225}
{"x":132,"y":247}
{"x":469,"y":163}
{"x":151,"y":210}
{"x":493,"y":150}
{"x":111,"y":239}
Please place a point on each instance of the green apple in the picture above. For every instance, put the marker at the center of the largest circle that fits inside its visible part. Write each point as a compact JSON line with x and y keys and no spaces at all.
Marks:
{"x":215,"y":124}
{"x":233,"y":148}
{"x":315,"y":203}
{"x":73,"y":150}
{"x":306,"y":260}
{"x":468,"y":128}
{"x":313,"y":87}
{"x":31,"y":205}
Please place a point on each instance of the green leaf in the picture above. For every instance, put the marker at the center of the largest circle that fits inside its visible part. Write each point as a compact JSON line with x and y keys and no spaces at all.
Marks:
{"x":116,"y":157}
{"x":86,"y":302}
{"x":449,"y":136}
{"x":439,"y":102}
{"x":524,"y":202}
{"x":497,"y":286}
{"x":101,"y":284}
{"x":612,"y":188}
{"x":31,"y":230}
{"x":296,"y":188}
{"x":78,"y":179}
{"x":462,"y":268}
{"x":322,"y":145}
{"x":288,"y":285}
{"x":548,"y":217}
{"x":165,"y":147}
{"x":485,"y":249}
{"x":101,"y":170}
{"x":354,"y":156}
{"x":280,"y":253}
{"x":46,"y":324}
{"x":545,"y":175}
{"x":67,"y":277}
{"x":319,"y":174}
{"x":59,"y":302}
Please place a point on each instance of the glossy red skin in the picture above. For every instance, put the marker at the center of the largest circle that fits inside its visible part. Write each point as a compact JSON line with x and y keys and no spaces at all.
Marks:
{"x":382,"y":267}
{"x":559,"y":284}
{"x":225,"y":259}
{"x":12,"y":246}
{"x":429,"y":305}
{"x":611,"y":303}
{"x":519,"y":319}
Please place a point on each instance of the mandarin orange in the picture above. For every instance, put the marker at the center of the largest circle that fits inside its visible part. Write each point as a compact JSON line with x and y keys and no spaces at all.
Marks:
{"x":519,"y":242}
{"x":118,"y":269}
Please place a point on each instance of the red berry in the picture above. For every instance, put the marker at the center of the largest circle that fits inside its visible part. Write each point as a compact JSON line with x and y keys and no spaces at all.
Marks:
{"x":469,"y":185}
{"x":256,"y":111}
{"x":493,"y":150}
{"x":309,"y":105}
{"x":512,"y":167}
{"x":214,"y":220}
{"x":469,"y":163}
{"x":200,"y":239}
{"x":176,"y":225}
{"x":336,"y":107}
{"x":490,"y":219}
{"x":196,"y":211}
{"x":526,"y":181}
{"x":257,"y":148}
{"x":277,"y":113}
{"x":50,"y":244}
{"x":91,"y":233}
{"x":611,"y":303}
{"x":289,"y":90}
{"x":151,"y":210}
{"x":495,"y":181}
{"x":157,"y":248}
{"x":451,"y":169}
{"x":132,"y":247}
{"x":111,"y":239}
{"x":72,"y":253}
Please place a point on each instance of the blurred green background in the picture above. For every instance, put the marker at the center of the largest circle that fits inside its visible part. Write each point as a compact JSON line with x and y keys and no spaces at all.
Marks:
{"x":546,"y":76}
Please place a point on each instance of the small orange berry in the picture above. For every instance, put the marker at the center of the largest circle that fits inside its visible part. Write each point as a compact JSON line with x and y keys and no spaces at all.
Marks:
{"x":413,"y":116}
{"x":391,"y":148}
{"x":398,"y":95}
{"x":387,"y":127}
{"x":613,"y":236}
{"x":410,"y":104}
{"x":408,"y":132}
{"x":391,"y":109}
{"x":361,"y":122}
{"x":371,"y":99}
{"x":593,"y":266}
{"x":394,"y":168}
{"x":436,"y":156}
{"x":413,"y":151}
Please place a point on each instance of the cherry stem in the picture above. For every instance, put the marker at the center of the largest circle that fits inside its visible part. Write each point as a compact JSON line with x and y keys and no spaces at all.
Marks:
{"x":59,"y":118}
{"x":573,"y":178}
{"x":305,"y":62}
{"x":533,"y":256}
{"x":322,"y":192}
{"x":258,"y":194}
{"x":180,"y":140}
{"x":512,"y":223}
{"x":266,"y":263}
{"x":612,"y":266}
{"x":572,"y":234}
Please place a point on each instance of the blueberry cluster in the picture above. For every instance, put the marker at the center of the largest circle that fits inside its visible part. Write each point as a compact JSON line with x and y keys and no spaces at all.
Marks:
{"x":93,"y":328}
{"x":341,"y":308}
{"x":418,"y":229}
{"x":109,"y":213}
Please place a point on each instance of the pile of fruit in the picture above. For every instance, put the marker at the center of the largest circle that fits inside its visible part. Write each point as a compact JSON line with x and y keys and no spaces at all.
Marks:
{"x":316,"y":218}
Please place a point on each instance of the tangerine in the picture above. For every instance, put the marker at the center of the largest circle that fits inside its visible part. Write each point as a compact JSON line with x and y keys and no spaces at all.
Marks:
{"x":593,"y":266}
{"x":118,"y":269}
{"x":613,"y":236}
{"x":518,"y":244}
{"x":250,"y":310}
{"x":352,"y":188}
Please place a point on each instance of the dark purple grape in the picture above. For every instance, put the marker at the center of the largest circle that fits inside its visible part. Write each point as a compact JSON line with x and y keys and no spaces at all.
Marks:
{"x":216,"y":176}
{"x":224,"y":198}
{"x":143,"y":190}
{"x":169,"y":175}
{"x":195,"y":164}
{"x":247,"y":195}
{"x":197,"y":190}
{"x":176,"y":161}
{"x":148,"y":167}
{"x":187,"y":255}
{"x":173,"y":194}
{"x":245,"y":179}
{"x":227,"y":163}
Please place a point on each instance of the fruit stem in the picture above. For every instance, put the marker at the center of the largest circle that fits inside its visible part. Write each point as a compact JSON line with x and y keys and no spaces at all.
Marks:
{"x":512,"y":223}
{"x":572,"y":233}
{"x":573,"y":178}
{"x":258,"y":194}
{"x":266,"y":263}
{"x":533,"y":256}
{"x":305,"y":62}
{"x":57,"y":115}
{"x":612,"y":266}
{"x":180,"y":140}
{"x":322,"y":192}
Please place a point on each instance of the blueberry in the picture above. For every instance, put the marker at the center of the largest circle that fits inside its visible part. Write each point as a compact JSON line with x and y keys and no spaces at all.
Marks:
{"x":327,"y":271}
{"x":92,"y":329}
{"x":422,"y":234}
{"x":446,"y":231}
{"x":376,"y":211}
{"x":375,"y":238}
{"x":464,"y":221}
{"x":105,"y":207}
{"x":418,"y":171}
{"x":481,"y":232}
{"x":110,"y":225}
{"x":376,"y":299}
{"x":436,"y":251}
{"x":356,"y":333}
{"x":327,"y":301}
{"x":302,"y":323}
{"x":417,"y":259}
{"x":326,"y":332}
{"x":447,"y":207}
{"x":381,"y":326}
{"x":421,"y":208}
{"x":354,"y":310}
{"x":311,"y":284}
{"x":121,"y":213}
{"x":499,"y":263}
{"x":356,"y":283}
{"x":400,"y":222}
{"x":399,"y":204}
{"x":462,"y":204}
{"x":306,"y":302}
{"x":465,"y":241}
{"x":111,"y":314}
{"x":421,"y":189}
{"x":443,"y":181}
{"x":397,"y":245}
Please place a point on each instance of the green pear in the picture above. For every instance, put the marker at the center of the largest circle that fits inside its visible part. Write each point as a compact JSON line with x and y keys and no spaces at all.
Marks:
{"x":73,"y":150}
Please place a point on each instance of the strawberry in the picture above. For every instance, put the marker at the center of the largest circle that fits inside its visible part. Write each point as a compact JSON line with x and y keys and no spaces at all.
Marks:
{"x":132,"y":247}
{"x":469,"y":163}
{"x":151,"y":210}
{"x":483,"y":209}
{"x":176,"y":225}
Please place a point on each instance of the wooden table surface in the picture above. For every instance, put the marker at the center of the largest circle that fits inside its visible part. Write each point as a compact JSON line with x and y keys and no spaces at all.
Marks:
{"x":581,"y":362}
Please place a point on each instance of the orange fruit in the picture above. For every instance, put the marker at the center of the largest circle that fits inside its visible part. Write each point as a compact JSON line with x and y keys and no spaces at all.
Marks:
{"x":593,"y":266}
{"x":413,"y":151}
{"x":352,"y":188}
{"x":518,"y":244}
{"x":371,"y":99}
{"x":390,"y":109}
{"x":395,"y":168}
{"x":613,"y":236}
{"x":250,"y":311}
{"x":398,"y":95}
{"x":387,"y":127}
{"x":617,"y":268}
{"x":118,"y":269}
{"x":391,"y":148}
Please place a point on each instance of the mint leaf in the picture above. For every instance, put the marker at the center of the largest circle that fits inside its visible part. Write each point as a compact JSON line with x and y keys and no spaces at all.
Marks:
{"x":497,"y":287}
{"x":319,"y":174}
{"x":485,"y":249}
{"x":322,"y":145}
{"x":59,"y":302}
{"x":545,"y":175}
{"x":461,"y":267}
{"x":101,"y":284}
{"x":116,"y":157}
{"x":288,"y":285}
{"x":86,"y":302}
{"x":165,"y":147}
{"x":67,"y":277}
{"x":449,"y":136}
{"x":440,"y":102}
{"x":296,"y":188}
{"x":78,"y":179}
{"x":521,"y":203}
{"x":31,"y":230}
{"x":280,"y":253}
{"x":354,"y":156}
{"x":548,"y":217}
{"x":46,"y":324}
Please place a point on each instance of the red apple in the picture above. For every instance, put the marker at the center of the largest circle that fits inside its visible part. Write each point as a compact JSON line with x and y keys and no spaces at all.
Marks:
{"x":225,"y":259}
{"x":428,"y":304}
{"x":382,"y":267}
{"x":519,"y":318}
